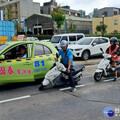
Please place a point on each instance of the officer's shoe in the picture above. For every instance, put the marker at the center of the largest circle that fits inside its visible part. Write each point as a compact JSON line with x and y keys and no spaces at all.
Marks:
{"x":115,"y":79}
{"x":73,"y":89}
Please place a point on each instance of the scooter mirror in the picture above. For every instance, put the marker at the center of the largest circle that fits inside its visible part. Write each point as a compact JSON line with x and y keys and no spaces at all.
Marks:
{"x":101,"y":50}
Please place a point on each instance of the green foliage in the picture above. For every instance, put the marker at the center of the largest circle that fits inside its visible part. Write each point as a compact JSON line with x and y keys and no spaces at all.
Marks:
{"x":72,"y":28}
{"x":59,"y":17}
{"x":9,"y":14}
{"x":41,"y":37}
{"x":101,"y":28}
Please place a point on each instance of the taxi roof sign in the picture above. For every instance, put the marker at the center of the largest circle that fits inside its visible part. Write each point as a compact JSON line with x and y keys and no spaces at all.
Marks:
{"x":21,"y":37}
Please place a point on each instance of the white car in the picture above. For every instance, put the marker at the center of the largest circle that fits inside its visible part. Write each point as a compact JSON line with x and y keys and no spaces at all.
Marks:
{"x":72,"y":38}
{"x":32,"y":39}
{"x":89,"y":46}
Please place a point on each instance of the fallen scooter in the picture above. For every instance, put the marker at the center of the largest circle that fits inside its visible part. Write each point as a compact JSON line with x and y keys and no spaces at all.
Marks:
{"x":105,"y":69}
{"x":57,"y":76}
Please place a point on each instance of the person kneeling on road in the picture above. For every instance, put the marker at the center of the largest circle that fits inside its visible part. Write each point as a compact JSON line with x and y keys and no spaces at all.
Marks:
{"x":67,"y":60}
{"x":114,"y":51}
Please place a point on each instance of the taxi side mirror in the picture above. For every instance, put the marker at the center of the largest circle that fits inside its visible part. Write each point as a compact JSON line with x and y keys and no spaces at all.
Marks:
{"x":2,"y":57}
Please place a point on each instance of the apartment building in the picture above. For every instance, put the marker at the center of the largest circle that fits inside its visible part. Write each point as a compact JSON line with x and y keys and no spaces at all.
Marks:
{"x":19,"y":8}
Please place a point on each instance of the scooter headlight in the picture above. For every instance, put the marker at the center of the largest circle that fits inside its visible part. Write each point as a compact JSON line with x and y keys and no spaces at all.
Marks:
{"x":113,"y":69}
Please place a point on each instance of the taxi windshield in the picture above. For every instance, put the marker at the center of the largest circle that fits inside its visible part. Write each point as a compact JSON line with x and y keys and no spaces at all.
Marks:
{"x":2,"y":46}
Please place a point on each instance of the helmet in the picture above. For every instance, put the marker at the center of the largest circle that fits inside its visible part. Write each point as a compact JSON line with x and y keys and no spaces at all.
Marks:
{"x":63,"y":43}
{"x":114,"y":39}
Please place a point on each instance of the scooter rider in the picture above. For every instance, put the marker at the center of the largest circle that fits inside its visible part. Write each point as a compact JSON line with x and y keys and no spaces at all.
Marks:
{"x":67,"y":60}
{"x":114,"y":51}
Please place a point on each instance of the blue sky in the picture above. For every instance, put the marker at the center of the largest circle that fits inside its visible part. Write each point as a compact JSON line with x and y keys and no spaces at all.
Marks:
{"x":87,"y":5}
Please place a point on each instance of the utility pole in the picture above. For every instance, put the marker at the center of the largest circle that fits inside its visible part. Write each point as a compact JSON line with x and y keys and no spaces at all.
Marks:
{"x":103,"y":16}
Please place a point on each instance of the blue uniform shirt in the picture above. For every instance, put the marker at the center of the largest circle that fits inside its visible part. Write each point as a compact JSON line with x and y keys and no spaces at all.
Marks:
{"x":24,"y":56}
{"x":66,"y":56}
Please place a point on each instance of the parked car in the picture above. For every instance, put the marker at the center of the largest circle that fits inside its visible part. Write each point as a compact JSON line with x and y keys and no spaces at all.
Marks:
{"x":72,"y":38}
{"x":32,"y":39}
{"x":89,"y":46}
{"x":40,"y":58}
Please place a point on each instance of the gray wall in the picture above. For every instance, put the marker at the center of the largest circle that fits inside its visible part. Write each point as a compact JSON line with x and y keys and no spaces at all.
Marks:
{"x":110,"y":12}
{"x":28,"y":7}
{"x":81,"y":26}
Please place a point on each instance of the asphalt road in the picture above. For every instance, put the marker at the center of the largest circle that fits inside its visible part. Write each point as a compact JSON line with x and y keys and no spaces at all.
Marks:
{"x":25,"y":102}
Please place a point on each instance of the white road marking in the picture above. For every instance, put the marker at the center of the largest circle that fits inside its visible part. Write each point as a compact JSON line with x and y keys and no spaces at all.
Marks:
{"x":15,"y":99}
{"x":108,"y":80}
{"x":78,"y":86}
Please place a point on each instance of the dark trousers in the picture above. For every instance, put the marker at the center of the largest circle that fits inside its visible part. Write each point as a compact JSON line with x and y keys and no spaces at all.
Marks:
{"x":70,"y":77}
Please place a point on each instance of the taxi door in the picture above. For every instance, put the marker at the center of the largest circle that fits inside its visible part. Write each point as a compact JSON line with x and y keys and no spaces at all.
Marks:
{"x":17,"y":70}
{"x":43,"y":60}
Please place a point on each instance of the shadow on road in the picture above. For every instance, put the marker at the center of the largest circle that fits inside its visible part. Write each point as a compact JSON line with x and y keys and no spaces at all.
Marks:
{"x":91,"y":58}
{"x":13,"y":86}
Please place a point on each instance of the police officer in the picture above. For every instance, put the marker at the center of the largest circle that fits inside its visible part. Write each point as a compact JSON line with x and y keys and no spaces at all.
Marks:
{"x":114,"y":51}
{"x":67,"y":60}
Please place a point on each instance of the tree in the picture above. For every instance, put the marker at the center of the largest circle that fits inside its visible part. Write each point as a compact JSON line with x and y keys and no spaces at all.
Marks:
{"x":101,"y":28}
{"x":72,"y":28}
{"x":9,"y":14}
{"x":59,"y":17}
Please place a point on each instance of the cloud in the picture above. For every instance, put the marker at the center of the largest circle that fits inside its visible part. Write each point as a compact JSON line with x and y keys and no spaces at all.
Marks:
{"x":87,"y":5}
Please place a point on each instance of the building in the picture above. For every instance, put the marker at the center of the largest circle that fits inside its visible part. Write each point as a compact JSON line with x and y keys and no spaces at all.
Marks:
{"x":48,"y":7}
{"x":70,"y":12}
{"x":40,"y":24}
{"x":82,"y":13}
{"x":108,"y":11}
{"x":113,"y":24}
{"x":83,"y":25}
{"x":90,"y":15}
{"x":95,"y":12}
{"x":51,"y":6}
{"x":19,"y":8}
{"x":44,"y":24}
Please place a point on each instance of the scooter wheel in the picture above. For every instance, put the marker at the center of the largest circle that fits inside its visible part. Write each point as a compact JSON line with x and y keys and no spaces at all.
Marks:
{"x":98,"y":76}
{"x":41,"y":87}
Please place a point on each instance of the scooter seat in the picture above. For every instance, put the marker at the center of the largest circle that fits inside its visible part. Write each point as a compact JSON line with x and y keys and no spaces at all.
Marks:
{"x":76,"y":69}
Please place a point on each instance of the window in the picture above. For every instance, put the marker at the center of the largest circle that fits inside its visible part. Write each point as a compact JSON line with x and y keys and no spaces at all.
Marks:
{"x":85,"y":41}
{"x":115,"y":12}
{"x":14,"y":53}
{"x":47,"y":50}
{"x":3,"y":46}
{"x":55,"y":39}
{"x":105,"y":13}
{"x":101,"y":23}
{"x":103,"y":40}
{"x":115,"y":22}
{"x":72,"y":38}
{"x":39,"y":50}
{"x":79,"y":37}
{"x":15,"y":5}
{"x":64,"y":38}
{"x":115,"y":32}
{"x":97,"y":41}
